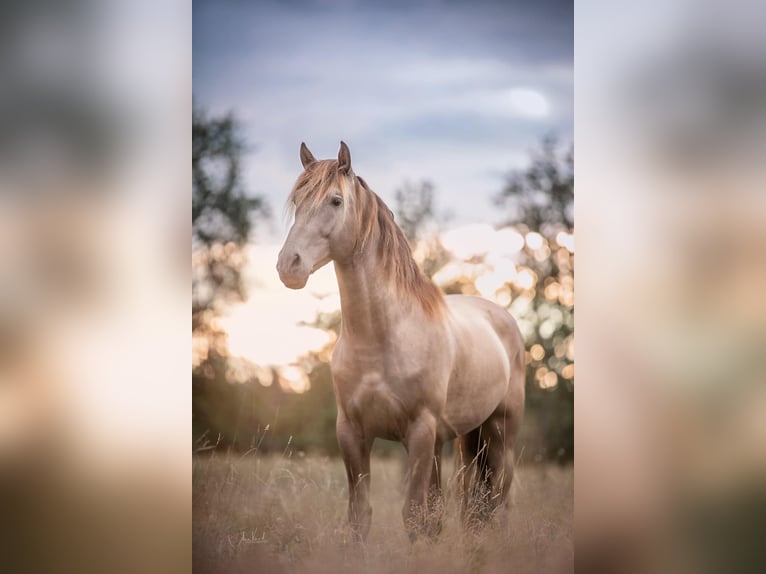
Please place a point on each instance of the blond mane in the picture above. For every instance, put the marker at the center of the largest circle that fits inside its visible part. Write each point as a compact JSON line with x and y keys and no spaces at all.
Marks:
{"x":320,"y":179}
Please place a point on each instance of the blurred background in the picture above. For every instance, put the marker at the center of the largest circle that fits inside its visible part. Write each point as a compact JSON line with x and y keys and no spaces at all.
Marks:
{"x":671,"y":409}
{"x":95,"y":99}
{"x":94,"y":200}
{"x":459,"y":115}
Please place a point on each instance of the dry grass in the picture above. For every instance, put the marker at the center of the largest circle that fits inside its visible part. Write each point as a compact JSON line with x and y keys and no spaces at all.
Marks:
{"x":259,"y":514}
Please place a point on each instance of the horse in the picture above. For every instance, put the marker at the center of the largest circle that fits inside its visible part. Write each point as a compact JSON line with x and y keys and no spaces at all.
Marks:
{"x":411,"y":364}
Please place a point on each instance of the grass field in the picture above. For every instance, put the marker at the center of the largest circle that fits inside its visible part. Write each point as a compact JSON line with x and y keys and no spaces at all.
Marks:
{"x":284,"y":514}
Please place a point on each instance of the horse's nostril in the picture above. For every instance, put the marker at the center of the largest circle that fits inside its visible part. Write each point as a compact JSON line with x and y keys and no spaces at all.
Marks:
{"x":296,"y":259}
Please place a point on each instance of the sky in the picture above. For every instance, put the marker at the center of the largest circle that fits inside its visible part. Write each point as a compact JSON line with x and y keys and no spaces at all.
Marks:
{"x":453,"y":92}
{"x":457,"y":93}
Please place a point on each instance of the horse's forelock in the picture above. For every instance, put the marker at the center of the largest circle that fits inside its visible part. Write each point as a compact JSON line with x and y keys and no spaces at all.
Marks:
{"x":321,"y":178}
{"x":316,"y":183}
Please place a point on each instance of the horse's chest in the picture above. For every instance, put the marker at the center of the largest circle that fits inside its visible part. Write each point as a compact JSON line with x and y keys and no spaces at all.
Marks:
{"x":375,"y":405}
{"x":384,"y":386}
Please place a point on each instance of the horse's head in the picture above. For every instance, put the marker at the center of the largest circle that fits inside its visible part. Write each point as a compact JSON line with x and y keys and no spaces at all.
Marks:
{"x":324,"y":229}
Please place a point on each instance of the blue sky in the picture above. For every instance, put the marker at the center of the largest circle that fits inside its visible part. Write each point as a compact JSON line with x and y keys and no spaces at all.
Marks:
{"x":453,"y":92}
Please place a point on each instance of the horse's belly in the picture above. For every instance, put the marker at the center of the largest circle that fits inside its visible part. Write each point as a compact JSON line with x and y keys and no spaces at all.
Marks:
{"x":479,"y":381}
{"x":469,"y":407}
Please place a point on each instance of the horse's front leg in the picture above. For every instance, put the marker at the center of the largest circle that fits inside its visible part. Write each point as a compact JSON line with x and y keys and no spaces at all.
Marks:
{"x":435,"y":495}
{"x":355,"y":448}
{"x":420,"y":442}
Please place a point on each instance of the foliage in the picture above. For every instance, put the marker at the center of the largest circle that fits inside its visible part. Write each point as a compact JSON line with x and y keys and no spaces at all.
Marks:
{"x":221,"y":225}
{"x":221,"y":216}
{"x":542,"y":195}
{"x":414,"y":208}
{"x":261,"y":414}
{"x":417,"y":215}
{"x":540,"y":200}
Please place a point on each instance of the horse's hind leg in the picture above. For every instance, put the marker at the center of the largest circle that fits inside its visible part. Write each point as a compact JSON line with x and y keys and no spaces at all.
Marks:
{"x":498,"y":431}
{"x":486,"y":456}
{"x":472,"y":460}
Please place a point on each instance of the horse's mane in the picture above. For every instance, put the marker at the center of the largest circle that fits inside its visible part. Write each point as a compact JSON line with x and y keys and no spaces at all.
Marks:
{"x":321,"y":178}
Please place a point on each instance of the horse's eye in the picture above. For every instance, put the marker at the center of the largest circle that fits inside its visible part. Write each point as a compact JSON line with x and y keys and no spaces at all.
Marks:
{"x":336,"y":201}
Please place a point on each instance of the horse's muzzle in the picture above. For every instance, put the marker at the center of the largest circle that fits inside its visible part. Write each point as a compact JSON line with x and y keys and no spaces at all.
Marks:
{"x":292,"y":270}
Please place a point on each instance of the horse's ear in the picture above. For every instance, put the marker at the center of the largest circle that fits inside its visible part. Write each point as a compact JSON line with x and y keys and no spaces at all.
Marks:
{"x":344,"y":159}
{"x":307,"y":157}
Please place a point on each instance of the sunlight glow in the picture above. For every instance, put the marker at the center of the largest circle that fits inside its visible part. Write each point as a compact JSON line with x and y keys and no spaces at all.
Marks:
{"x":546,"y":328}
{"x":525,"y":279}
{"x":509,"y":241}
{"x":457,"y":270}
{"x":489,"y":283}
{"x":271,"y":343}
{"x":552,"y":291}
{"x":273,"y":327}
{"x":481,"y":239}
{"x":470,"y":241}
{"x":267,"y":329}
{"x":534,"y":240}
{"x":530,"y":103}
{"x":502,"y":265}
{"x":570,"y":350}
{"x":296,"y":379}
{"x":549,"y":380}
{"x":503,"y":297}
{"x":566,"y":240}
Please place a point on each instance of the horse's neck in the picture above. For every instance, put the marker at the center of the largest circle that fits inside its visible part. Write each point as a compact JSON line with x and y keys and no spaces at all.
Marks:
{"x":370,"y":306}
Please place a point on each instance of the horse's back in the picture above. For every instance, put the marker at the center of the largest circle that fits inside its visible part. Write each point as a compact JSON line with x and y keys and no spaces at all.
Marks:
{"x":488,"y":374}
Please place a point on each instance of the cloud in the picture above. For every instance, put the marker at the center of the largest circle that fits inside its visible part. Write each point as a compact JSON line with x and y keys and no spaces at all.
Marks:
{"x":452,"y":92}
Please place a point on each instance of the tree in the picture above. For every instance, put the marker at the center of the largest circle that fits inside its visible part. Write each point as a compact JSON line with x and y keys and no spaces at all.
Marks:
{"x":540,"y":203}
{"x":222,"y":220}
{"x":222,"y":215}
{"x":542,"y":196}
{"x":414,"y":209}
{"x":416,"y":214}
